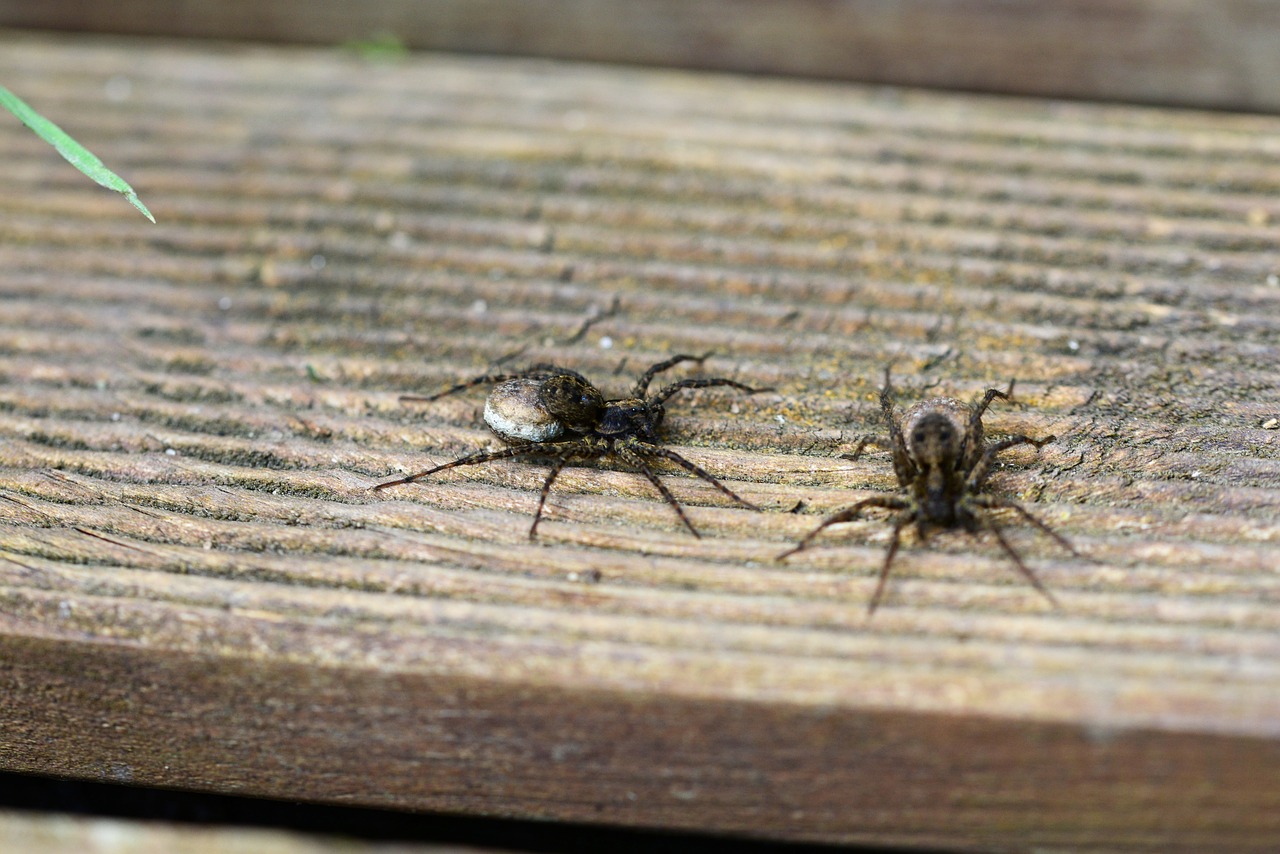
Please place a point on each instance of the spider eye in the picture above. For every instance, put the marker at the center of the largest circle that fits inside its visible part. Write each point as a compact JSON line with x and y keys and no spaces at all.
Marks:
{"x":944,"y":434}
{"x":918,"y":437}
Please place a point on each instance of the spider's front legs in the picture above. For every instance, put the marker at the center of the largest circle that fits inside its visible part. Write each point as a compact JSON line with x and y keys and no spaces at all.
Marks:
{"x":662,"y":396}
{"x":642,"y":385}
{"x":990,"y":395}
{"x":694,"y":469}
{"x":903,"y":468}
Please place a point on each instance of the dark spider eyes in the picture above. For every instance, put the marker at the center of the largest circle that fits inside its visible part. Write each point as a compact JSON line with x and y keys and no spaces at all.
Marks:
{"x":920,"y":436}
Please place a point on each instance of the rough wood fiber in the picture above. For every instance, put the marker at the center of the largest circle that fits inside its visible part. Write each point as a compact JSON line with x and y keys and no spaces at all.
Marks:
{"x":198,"y":589}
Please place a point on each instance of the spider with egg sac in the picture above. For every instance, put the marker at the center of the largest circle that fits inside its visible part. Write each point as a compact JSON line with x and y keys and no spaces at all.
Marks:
{"x":942,"y":462}
{"x":555,"y":413}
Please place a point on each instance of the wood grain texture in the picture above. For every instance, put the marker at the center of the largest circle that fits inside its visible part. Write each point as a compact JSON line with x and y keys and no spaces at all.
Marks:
{"x":199,"y":590}
{"x":1220,"y":55}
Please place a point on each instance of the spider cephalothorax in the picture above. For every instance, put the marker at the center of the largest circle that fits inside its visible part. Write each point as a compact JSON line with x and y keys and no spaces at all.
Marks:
{"x":552,"y":412}
{"x":941,"y":461}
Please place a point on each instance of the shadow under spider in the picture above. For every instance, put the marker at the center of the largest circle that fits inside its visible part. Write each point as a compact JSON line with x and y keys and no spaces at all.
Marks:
{"x":941,"y":461}
{"x":555,"y":413}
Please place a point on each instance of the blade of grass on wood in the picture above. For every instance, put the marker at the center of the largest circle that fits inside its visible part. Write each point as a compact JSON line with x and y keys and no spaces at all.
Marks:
{"x":75,"y":153}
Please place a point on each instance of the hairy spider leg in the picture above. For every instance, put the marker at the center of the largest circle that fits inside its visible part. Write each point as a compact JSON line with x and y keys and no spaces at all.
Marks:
{"x":899,"y":522}
{"x":995,"y":502}
{"x":903,"y":468}
{"x":969,"y":451}
{"x":893,"y":502}
{"x":568,"y":451}
{"x":626,"y":454}
{"x":651,"y":450}
{"x":541,"y":370}
{"x":991,"y":394}
{"x":471,"y":383}
{"x":982,"y":468}
{"x":556,"y":467}
{"x":539,"y":449}
{"x":470,"y":460}
{"x":642,"y":384}
{"x":869,"y":440}
{"x":991,"y":523}
{"x":666,"y":393}
{"x":886,"y":411}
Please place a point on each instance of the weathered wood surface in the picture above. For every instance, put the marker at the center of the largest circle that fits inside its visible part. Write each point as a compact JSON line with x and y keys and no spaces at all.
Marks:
{"x":198,"y":589}
{"x":1222,"y":54}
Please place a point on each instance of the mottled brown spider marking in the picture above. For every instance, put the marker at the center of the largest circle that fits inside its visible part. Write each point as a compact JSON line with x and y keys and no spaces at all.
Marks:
{"x":553,"y":412}
{"x":941,"y":461}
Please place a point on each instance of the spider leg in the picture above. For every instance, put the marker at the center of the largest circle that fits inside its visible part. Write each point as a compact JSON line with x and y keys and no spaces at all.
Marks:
{"x":661,"y":397}
{"x":570,"y":450}
{"x":886,"y":404}
{"x":992,"y":502}
{"x":991,"y":394}
{"x":978,"y":474}
{"x":556,"y":468}
{"x":991,"y":523}
{"x":893,"y":502}
{"x":471,"y":383}
{"x":694,"y":469}
{"x":971,"y":444}
{"x":863,"y":442}
{"x":633,"y":458}
{"x":899,"y":522}
{"x":540,"y":370}
{"x":903,"y":468}
{"x":470,"y":460}
{"x":642,"y":384}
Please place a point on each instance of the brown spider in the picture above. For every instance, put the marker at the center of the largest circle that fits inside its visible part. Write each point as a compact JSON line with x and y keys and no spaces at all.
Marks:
{"x":553,"y":412}
{"x":941,"y":462}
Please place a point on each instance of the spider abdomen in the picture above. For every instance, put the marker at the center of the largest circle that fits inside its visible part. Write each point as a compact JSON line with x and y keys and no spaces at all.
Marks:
{"x":515,"y":411}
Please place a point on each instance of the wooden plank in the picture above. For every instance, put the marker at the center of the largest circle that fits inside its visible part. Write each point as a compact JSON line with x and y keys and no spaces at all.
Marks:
{"x":1221,"y":55}
{"x":199,"y":589}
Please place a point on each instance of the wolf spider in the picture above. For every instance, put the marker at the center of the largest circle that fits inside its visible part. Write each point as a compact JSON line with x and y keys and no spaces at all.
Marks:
{"x":941,"y":462}
{"x":553,"y":412}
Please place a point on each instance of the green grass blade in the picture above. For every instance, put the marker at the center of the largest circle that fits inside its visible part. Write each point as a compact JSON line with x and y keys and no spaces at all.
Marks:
{"x":75,"y":153}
